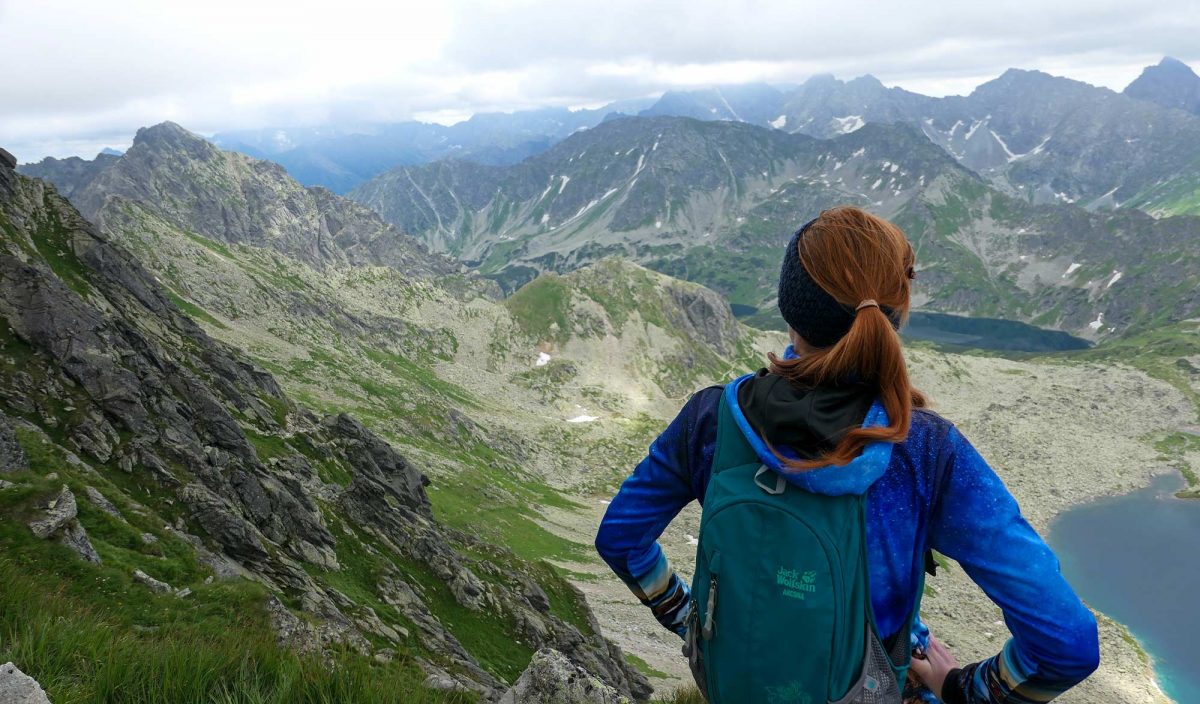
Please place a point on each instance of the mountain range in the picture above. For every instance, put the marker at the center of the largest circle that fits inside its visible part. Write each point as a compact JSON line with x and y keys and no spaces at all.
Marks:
{"x":1039,"y":137}
{"x":714,"y":202}
{"x":369,"y":449}
{"x":341,"y":157}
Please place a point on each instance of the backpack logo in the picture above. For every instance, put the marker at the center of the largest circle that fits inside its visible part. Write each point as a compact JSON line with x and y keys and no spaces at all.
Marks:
{"x":796,"y":584}
{"x":792,"y":693}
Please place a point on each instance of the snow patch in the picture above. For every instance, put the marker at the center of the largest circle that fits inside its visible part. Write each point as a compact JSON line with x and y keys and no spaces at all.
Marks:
{"x":1116,"y":277}
{"x":849,"y":123}
{"x":565,"y":180}
{"x":692,"y":540}
{"x":861,"y":151}
{"x":1007,"y":152}
{"x":543,"y":359}
{"x":1071,"y":269}
{"x":658,"y":224}
{"x":977,"y":124}
{"x":1097,"y":323}
{"x":582,"y":419}
{"x":876,"y":184}
{"x":779,"y":122}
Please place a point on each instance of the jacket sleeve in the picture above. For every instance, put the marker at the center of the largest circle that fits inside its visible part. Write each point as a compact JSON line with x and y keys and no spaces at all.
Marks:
{"x":649,"y":499}
{"x":1054,"y":643}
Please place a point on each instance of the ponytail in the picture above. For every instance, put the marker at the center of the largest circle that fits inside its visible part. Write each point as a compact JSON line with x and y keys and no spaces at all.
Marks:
{"x":858,"y":259}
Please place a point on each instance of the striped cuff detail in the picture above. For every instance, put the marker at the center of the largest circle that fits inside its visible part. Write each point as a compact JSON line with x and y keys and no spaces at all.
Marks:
{"x":672,"y":606}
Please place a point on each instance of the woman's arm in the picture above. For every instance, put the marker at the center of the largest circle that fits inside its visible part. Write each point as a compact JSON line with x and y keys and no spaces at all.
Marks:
{"x":648,"y":500}
{"x":1054,"y":643}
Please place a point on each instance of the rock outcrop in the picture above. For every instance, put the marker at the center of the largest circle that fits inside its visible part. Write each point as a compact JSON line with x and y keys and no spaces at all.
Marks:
{"x":12,"y":457}
{"x":553,"y":679}
{"x":248,"y":477}
{"x":59,"y":519}
{"x":16,"y":687}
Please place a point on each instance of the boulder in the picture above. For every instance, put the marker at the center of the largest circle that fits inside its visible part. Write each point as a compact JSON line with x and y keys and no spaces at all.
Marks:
{"x":76,"y":538}
{"x":60,"y":519}
{"x":153,"y":584}
{"x":59,"y":511}
{"x":16,"y":687}
{"x":553,"y":679}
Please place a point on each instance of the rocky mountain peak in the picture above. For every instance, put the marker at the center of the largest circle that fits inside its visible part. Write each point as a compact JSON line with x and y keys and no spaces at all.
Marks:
{"x":1171,"y":83}
{"x":168,"y":135}
{"x":866,"y":81}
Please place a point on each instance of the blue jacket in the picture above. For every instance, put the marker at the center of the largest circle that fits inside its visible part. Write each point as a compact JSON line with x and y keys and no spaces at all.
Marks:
{"x":932,"y":490}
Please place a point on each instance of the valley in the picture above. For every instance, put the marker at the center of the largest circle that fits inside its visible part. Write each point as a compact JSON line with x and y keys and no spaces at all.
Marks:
{"x":381,"y":431}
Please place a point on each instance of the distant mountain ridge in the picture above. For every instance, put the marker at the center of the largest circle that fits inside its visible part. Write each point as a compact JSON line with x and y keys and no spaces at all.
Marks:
{"x":339,"y":159}
{"x":714,"y":201}
{"x":1032,"y":135}
{"x":1035,"y":136}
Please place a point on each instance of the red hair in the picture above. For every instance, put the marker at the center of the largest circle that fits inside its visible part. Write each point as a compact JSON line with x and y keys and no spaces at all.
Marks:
{"x":855,"y":256}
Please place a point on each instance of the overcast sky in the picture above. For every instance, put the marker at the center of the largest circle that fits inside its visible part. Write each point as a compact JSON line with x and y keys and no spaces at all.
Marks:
{"x":79,"y":75}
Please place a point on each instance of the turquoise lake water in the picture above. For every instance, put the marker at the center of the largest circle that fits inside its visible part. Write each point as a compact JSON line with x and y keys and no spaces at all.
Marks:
{"x":1137,"y":559}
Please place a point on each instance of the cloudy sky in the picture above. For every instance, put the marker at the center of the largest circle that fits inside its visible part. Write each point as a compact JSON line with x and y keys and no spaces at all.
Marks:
{"x":79,"y":75}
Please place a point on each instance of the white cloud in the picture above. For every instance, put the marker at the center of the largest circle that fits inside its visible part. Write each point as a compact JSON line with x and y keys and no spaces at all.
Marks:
{"x":78,"y":75}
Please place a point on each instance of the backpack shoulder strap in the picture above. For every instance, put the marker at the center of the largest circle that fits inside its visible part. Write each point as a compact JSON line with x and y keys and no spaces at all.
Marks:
{"x":731,"y":449}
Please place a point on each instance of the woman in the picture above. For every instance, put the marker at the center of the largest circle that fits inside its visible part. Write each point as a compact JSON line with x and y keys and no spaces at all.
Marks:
{"x":837,"y":417}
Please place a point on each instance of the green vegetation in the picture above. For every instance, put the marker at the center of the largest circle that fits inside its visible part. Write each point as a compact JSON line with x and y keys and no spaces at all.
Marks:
{"x":1175,"y":448}
{"x":194,"y":310}
{"x":644,"y":667}
{"x":542,"y":308}
{"x":53,"y":242}
{"x":97,"y":636}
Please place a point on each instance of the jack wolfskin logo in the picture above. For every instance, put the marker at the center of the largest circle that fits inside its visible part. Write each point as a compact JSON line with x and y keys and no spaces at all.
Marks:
{"x":792,"y":693}
{"x":796,"y":584}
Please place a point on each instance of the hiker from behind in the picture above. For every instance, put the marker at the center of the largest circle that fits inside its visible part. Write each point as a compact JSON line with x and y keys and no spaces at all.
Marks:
{"x":825,"y":482}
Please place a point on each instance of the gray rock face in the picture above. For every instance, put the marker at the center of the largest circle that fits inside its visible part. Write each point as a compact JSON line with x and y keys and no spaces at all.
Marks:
{"x":553,"y":679}
{"x":70,"y":174}
{"x":7,"y":160}
{"x":1171,"y":83}
{"x":154,"y":397}
{"x":16,"y":687}
{"x":12,"y":456}
{"x":233,"y":198}
{"x":101,"y":502}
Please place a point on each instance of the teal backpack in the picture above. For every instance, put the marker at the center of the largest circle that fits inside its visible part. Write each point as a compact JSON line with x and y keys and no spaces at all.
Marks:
{"x":781,"y":608}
